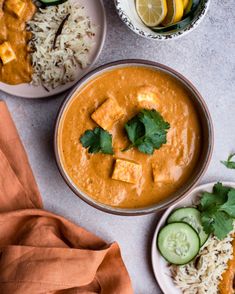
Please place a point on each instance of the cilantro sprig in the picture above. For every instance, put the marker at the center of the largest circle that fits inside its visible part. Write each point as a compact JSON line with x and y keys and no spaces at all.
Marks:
{"x":229,"y":163}
{"x":218,"y":210}
{"x":147,"y":131}
{"x":97,"y":141}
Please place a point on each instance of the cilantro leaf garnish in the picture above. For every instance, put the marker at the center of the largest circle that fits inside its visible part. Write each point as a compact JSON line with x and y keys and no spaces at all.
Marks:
{"x":229,"y":163}
{"x":229,"y":206}
{"x":147,"y":131}
{"x":97,"y":140}
{"x":223,"y":224}
{"x":218,"y":210}
{"x":217,"y":197}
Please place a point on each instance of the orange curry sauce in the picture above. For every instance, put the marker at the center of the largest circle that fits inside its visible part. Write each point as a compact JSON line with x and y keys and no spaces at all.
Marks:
{"x":13,"y":31}
{"x":227,"y":284}
{"x":174,"y":162}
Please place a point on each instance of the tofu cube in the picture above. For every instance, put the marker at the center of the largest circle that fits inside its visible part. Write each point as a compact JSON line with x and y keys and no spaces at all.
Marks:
{"x":107,"y":114}
{"x":127,"y":171}
{"x":6,"y":53}
{"x":16,"y":7}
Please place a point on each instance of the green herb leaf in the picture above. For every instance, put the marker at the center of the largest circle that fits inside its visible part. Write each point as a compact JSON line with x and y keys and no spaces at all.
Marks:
{"x":229,"y":163}
{"x":229,"y":206}
{"x":219,"y":223}
{"x":221,"y":191}
{"x":218,"y":210}
{"x":97,"y":140}
{"x":207,"y":222}
{"x":208,"y":201}
{"x":223,"y":225}
{"x":147,"y":131}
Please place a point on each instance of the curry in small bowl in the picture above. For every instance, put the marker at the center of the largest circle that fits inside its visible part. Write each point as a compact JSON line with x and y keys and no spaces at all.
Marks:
{"x":132,"y":137}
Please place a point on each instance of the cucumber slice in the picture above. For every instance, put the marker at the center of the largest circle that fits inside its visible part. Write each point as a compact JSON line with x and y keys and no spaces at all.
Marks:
{"x":178,"y":243}
{"x":191,"y":216}
{"x":52,"y":2}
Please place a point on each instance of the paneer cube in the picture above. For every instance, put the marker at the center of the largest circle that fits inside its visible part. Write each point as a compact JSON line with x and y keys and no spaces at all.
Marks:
{"x":107,"y":114}
{"x":146,"y":96}
{"x":127,"y":171}
{"x":166,"y":173}
{"x":16,"y":7}
{"x":6,"y":53}
{"x":160,"y":173}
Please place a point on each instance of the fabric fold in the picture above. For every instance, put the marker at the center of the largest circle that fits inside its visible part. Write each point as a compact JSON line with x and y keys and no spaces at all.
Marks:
{"x":41,"y":252}
{"x":16,"y":177}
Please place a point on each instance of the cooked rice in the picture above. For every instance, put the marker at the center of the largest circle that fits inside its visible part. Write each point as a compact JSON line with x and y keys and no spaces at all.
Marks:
{"x":203,"y":275}
{"x":54,"y":67}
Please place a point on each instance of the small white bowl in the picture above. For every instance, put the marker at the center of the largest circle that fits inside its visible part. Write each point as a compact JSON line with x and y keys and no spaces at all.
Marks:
{"x":160,"y":265}
{"x":127,"y":12}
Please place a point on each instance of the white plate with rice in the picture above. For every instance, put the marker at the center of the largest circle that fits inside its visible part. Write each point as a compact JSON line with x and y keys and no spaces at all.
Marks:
{"x":195,"y":281}
{"x":77,"y":47}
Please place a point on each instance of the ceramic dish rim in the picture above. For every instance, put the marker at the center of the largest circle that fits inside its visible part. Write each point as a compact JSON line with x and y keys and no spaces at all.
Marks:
{"x":156,"y":36}
{"x":166,"y":214}
{"x":155,"y":207}
{"x":86,"y":69}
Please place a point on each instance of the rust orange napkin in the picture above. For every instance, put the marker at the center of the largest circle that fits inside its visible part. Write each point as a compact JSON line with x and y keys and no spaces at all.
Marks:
{"x":41,"y":252}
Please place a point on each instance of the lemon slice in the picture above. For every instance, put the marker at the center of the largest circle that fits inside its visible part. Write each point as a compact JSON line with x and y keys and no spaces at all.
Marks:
{"x":151,"y":12}
{"x":185,"y":3}
{"x":175,"y":11}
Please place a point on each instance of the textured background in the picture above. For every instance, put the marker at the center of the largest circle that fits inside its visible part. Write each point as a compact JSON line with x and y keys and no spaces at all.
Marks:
{"x":206,"y":57}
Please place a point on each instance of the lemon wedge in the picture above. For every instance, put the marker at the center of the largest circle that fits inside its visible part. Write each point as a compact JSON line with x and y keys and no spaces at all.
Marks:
{"x":185,"y":3}
{"x":151,"y":12}
{"x":175,"y":11}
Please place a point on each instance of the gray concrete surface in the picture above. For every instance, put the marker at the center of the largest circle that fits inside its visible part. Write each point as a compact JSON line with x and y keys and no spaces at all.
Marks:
{"x":206,"y":57}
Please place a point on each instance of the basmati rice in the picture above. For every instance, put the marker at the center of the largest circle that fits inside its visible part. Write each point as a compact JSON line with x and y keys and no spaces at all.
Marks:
{"x":55,"y":67}
{"x":203,"y":275}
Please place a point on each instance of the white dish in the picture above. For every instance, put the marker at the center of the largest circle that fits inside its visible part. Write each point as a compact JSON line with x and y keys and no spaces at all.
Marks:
{"x":96,"y":11}
{"x":160,"y":265}
{"x":127,"y":11}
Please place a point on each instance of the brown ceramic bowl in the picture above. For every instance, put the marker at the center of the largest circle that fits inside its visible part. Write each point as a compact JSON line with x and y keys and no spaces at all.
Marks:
{"x":207,"y":140}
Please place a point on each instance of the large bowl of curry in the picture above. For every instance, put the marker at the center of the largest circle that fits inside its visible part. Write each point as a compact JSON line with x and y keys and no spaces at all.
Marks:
{"x":133,"y":137}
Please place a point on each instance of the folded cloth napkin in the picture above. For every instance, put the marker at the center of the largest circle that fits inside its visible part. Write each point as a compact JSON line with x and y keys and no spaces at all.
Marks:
{"x":41,"y":252}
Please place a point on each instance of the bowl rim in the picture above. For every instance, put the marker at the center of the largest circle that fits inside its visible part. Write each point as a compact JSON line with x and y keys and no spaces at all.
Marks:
{"x":157,"y":206}
{"x":154,"y":35}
